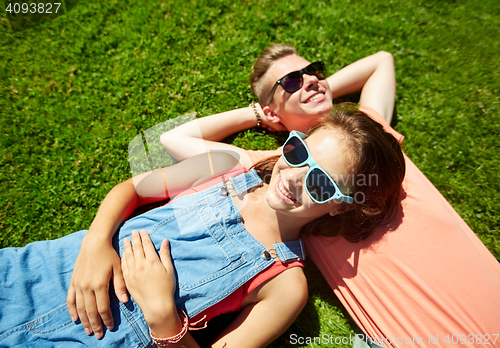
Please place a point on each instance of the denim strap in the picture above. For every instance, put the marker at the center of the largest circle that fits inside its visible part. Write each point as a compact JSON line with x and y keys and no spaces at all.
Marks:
{"x":290,"y":251}
{"x":245,"y":181}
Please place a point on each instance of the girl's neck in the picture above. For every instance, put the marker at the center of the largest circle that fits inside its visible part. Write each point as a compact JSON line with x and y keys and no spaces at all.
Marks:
{"x":271,"y":223}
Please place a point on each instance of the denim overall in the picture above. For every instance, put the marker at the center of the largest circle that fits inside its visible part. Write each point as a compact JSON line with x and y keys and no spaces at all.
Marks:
{"x":212,"y":252}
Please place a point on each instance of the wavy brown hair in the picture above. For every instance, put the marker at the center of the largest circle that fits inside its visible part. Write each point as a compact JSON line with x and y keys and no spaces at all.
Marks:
{"x":376,"y":154}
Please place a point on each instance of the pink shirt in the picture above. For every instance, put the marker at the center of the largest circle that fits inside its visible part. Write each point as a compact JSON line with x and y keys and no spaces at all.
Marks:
{"x":421,"y":279}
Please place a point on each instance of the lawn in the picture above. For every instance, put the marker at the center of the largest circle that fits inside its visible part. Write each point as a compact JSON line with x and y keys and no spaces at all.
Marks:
{"x":76,"y":90}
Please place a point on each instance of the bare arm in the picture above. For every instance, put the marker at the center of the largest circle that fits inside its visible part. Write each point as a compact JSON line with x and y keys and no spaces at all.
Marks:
{"x":279,"y":302}
{"x":203,"y":134}
{"x":374,"y":76}
{"x":98,"y":262}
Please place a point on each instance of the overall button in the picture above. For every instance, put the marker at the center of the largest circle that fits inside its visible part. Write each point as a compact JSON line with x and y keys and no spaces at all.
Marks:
{"x":223,"y":191}
{"x":266,"y":255}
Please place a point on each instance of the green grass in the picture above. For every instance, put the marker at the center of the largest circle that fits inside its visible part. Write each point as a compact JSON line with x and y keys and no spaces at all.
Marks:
{"x":75,"y":91}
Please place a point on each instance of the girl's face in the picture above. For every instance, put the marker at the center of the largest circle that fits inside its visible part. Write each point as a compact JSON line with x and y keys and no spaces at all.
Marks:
{"x":286,"y":192}
{"x":300,"y":109}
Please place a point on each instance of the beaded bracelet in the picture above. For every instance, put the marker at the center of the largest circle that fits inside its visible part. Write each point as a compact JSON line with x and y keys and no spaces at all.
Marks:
{"x":164,"y":342}
{"x":259,"y":120}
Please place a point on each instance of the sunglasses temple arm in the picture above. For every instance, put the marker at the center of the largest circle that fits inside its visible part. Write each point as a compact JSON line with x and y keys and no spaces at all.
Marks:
{"x":347,"y":199}
{"x":271,"y":94}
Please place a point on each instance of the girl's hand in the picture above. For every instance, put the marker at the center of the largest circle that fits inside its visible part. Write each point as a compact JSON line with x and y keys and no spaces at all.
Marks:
{"x":88,"y":294}
{"x":149,"y":279}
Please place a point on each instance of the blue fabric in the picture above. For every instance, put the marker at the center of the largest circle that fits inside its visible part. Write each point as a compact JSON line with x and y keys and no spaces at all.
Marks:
{"x":34,"y":281}
{"x":290,"y":250}
{"x":212,"y":252}
{"x":242,"y":183}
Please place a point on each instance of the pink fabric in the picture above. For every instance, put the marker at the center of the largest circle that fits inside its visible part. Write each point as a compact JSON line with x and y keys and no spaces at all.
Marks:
{"x":425,"y":275}
{"x":233,"y":302}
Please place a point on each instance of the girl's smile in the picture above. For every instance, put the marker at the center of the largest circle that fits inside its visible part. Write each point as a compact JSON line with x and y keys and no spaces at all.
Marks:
{"x":287,"y":193}
{"x":284,"y":193}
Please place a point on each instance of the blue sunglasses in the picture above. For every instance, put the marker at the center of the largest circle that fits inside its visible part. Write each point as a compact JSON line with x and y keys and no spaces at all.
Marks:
{"x":319,"y":185}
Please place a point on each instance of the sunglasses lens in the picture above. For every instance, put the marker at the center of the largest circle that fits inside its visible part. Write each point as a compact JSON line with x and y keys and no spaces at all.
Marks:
{"x":294,"y":151}
{"x":292,"y":82}
{"x":317,"y":69}
{"x":320,"y":186}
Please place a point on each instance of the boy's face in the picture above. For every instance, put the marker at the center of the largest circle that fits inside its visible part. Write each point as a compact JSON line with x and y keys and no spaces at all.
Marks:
{"x":301,"y":109}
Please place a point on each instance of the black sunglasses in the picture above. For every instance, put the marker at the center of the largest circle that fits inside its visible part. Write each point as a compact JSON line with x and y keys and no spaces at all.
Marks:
{"x":293,"y":81}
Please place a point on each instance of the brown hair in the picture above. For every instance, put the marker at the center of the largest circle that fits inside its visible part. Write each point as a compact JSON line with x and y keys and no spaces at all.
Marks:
{"x":376,"y":154}
{"x":267,"y":58}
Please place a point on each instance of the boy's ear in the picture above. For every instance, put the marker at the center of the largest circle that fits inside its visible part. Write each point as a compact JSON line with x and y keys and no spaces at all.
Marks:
{"x":271,"y":115}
